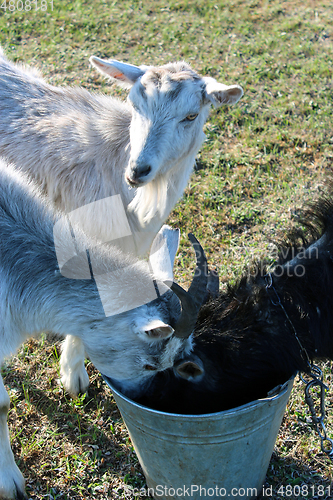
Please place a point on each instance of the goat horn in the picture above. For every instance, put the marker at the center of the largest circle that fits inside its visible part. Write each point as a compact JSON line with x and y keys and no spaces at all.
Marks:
{"x":192,"y":300}
{"x":213,"y":285}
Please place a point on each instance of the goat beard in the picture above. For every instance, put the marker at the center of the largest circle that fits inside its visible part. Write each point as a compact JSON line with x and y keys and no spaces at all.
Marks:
{"x":151,"y":200}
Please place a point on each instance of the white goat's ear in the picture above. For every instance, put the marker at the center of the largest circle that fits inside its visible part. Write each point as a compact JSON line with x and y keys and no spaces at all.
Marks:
{"x":218,"y":93}
{"x":125,"y":74}
{"x":163,"y":252}
{"x":157,"y":330}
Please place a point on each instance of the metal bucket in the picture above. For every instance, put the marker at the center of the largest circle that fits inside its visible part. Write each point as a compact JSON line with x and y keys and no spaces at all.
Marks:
{"x":216,"y":455}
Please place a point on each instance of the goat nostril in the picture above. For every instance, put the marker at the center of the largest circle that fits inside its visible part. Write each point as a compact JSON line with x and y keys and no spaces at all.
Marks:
{"x":145,"y":171}
{"x":138,"y":173}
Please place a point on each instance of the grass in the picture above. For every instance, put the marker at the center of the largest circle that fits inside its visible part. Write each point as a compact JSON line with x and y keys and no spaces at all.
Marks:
{"x":262,"y":160}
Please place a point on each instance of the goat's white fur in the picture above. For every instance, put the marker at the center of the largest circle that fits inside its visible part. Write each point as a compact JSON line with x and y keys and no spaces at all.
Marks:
{"x":81,"y":147}
{"x":36,"y":297}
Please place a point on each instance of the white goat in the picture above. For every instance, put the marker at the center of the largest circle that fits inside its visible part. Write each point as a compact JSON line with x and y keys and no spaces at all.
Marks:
{"x":35,"y":297}
{"x":82,"y":147}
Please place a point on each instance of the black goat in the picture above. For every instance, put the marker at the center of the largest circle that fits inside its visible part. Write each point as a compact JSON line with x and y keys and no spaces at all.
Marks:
{"x":246,"y":341}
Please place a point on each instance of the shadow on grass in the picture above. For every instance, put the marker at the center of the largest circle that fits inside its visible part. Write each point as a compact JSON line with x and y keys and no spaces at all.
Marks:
{"x":290,"y":478}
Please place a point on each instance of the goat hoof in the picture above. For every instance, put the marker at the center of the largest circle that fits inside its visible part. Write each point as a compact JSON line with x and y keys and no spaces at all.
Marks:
{"x":12,"y":483}
{"x":76,"y":383}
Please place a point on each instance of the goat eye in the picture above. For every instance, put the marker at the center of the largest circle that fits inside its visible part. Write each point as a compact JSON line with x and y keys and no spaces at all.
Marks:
{"x":191,"y":117}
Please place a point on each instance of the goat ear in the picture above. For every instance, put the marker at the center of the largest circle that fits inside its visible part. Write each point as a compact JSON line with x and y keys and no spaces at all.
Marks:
{"x":125,"y":74}
{"x":157,"y":330}
{"x":219,"y":94}
{"x":163,"y":253}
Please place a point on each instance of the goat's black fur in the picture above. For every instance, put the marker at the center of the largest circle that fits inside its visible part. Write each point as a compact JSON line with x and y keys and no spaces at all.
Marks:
{"x":244,"y":339}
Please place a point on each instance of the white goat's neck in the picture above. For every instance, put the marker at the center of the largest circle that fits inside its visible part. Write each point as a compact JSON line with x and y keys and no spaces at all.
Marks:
{"x":153,"y":203}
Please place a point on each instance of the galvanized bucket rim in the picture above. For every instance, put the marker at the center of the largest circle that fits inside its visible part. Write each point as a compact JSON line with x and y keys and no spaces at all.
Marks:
{"x":238,"y":409}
